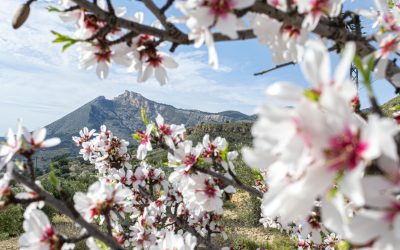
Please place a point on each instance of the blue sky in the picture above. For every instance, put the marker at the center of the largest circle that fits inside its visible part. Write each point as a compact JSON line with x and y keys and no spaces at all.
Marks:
{"x":40,"y":84}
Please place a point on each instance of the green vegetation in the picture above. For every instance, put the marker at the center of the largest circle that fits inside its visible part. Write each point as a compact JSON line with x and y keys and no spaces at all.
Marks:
{"x":391,"y":106}
{"x":11,"y":219}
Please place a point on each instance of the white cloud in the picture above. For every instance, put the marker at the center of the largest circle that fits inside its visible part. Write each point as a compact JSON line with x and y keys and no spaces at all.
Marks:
{"x":41,"y":84}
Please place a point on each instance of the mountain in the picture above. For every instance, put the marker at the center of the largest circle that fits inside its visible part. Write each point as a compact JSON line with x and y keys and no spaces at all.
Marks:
{"x":122,"y":115}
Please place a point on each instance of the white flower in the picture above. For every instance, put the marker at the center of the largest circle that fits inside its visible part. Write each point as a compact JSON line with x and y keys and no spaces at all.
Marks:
{"x":176,"y":242}
{"x":84,"y":134}
{"x":145,"y":142}
{"x":285,"y":42}
{"x":204,"y":194}
{"x":37,"y":139}
{"x":5,"y":185}
{"x":316,"y":68}
{"x":314,"y":9}
{"x":39,"y":234}
{"x":169,"y":132}
{"x":103,"y":57}
{"x":101,"y":196}
{"x":11,"y":147}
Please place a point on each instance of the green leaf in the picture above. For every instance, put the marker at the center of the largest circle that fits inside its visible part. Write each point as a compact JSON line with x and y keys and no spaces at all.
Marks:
{"x":391,"y":4}
{"x":257,"y":174}
{"x":53,"y":179}
{"x":60,"y":38}
{"x":144,"y":117}
{"x":136,"y":137}
{"x":224,"y":154}
{"x":53,"y":9}
{"x":312,"y":95}
{"x":101,"y":245}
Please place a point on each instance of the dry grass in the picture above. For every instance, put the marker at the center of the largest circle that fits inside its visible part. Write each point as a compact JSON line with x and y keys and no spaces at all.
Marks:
{"x":245,"y":234}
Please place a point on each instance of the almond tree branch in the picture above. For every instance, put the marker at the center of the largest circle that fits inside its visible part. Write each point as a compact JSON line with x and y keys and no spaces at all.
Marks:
{"x":166,"y":6}
{"x":326,"y":28}
{"x":63,"y":208}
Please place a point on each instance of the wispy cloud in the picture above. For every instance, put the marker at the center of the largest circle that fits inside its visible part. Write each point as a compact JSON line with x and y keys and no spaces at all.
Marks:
{"x":41,"y":84}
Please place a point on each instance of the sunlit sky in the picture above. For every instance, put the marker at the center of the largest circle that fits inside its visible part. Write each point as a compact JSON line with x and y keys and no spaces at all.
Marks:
{"x":41,"y":84}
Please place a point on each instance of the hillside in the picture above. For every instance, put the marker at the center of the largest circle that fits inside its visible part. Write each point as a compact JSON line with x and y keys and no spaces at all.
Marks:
{"x":391,"y":106}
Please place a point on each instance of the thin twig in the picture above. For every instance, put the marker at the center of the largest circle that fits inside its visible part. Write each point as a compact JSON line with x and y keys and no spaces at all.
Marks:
{"x":279,"y":66}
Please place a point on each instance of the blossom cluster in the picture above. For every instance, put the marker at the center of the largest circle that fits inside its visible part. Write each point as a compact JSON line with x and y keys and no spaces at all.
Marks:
{"x":97,"y":48}
{"x":143,"y":205}
{"x":317,"y":153}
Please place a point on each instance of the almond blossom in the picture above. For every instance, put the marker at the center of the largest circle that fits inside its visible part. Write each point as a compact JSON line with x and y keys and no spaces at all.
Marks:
{"x":316,"y":68}
{"x":148,"y":60}
{"x":103,"y":56}
{"x":37,"y":138}
{"x":286,"y":42}
{"x":101,"y":197}
{"x":169,"y":133}
{"x":314,"y":9}
{"x":84,"y":134}
{"x":39,"y":234}
{"x":11,"y":147}
{"x":145,"y":142}
{"x":176,"y":241}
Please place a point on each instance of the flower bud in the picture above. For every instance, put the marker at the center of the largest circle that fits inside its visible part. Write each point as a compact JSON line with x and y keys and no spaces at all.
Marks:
{"x":20,"y":16}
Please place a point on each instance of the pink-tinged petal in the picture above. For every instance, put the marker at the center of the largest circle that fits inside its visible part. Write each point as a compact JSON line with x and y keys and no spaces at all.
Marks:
{"x":351,"y":185}
{"x":316,"y":64}
{"x":202,"y":17}
{"x":120,"y":11}
{"x":334,"y":216}
{"x":102,"y":70}
{"x":159,"y":120}
{"x":4,"y":150}
{"x":212,"y":52}
{"x":380,"y":70}
{"x":149,"y":128}
{"x":366,"y":226}
{"x":342,"y":70}
{"x":227,"y":25}
{"x":138,"y":17}
{"x":241,"y":4}
{"x":285,"y":91}
{"x":39,"y":135}
{"x":147,"y":73}
{"x":50,"y":143}
{"x":27,"y":134}
{"x":72,"y":16}
{"x":141,"y":152}
{"x":102,"y":4}
{"x":10,"y":138}
{"x":396,"y":226}
{"x":87,"y":62}
{"x":161,"y":75}
{"x":169,"y":62}
{"x":377,"y":190}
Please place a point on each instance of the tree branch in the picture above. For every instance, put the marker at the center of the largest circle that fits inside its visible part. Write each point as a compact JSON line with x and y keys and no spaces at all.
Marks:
{"x":60,"y":206}
{"x":228,"y":181}
{"x":274,"y":68}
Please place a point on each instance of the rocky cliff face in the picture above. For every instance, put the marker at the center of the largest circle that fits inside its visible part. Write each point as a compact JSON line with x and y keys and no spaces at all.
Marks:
{"x":123,"y":116}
